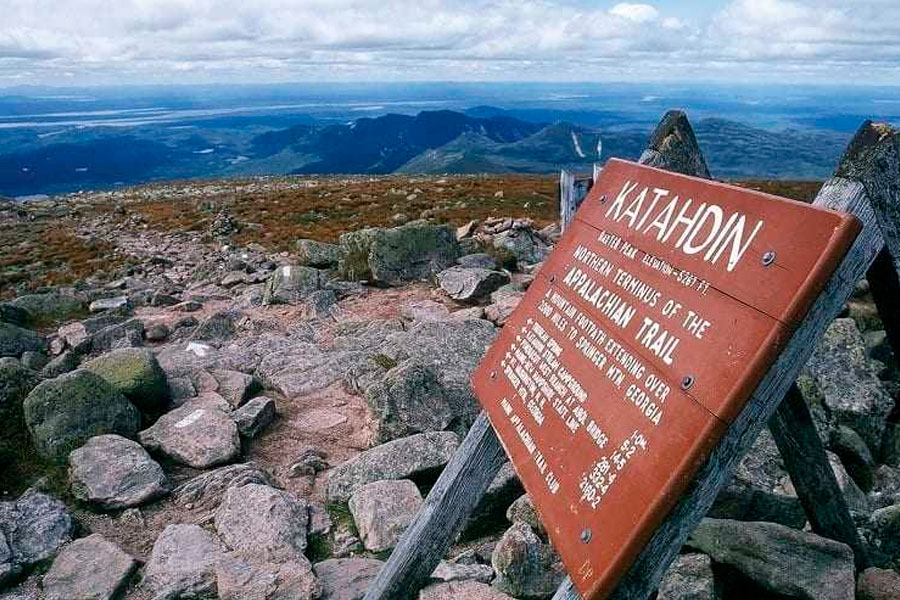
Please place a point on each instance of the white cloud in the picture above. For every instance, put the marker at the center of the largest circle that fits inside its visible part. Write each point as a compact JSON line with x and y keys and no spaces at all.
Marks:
{"x":639,"y":13}
{"x":269,"y":40}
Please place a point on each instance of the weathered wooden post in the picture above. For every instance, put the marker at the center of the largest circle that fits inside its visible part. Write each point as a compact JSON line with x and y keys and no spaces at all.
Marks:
{"x":572,"y":191}
{"x":873,"y":156}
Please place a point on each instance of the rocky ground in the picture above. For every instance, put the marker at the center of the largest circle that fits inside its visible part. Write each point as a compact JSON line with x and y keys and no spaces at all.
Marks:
{"x":201,"y":415}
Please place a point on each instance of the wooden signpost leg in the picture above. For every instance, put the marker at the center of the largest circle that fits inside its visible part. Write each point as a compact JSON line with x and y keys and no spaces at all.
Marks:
{"x":817,"y":487}
{"x":849,"y":194}
{"x":446,"y":510}
{"x":879,"y":151}
{"x":884,"y":283}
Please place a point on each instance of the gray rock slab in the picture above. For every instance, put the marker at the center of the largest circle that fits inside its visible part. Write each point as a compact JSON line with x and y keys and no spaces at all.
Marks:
{"x":183,"y":563}
{"x":398,"y":459}
{"x":114,"y":473}
{"x":262,"y":519}
{"x":198,"y":434}
{"x":780,"y":559}
{"x":91,"y":568}
{"x":346,"y":578}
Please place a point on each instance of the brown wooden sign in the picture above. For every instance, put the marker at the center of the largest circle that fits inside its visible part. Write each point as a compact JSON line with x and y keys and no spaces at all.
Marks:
{"x":639,"y":341}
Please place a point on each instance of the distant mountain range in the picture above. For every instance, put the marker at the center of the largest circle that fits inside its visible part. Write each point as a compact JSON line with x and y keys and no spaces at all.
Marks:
{"x":482,"y":139}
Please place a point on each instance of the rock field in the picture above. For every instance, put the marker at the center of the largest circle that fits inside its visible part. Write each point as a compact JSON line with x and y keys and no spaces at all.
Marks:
{"x":214,"y":419}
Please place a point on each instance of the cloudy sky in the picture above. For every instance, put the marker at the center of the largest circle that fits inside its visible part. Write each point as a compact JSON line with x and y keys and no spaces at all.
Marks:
{"x":79,"y":42}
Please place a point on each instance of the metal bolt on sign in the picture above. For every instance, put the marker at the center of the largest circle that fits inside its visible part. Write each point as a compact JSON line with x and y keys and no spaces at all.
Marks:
{"x":768,"y":258}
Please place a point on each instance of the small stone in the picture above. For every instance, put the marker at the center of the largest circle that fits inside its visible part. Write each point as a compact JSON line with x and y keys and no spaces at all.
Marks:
{"x":526,"y":567}
{"x":118,"y":303}
{"x":254,"y":416}
{"x":157,"y":332}
{"x":450,"y":571}
{"x":523,"y":511}
{"x":234,"y":386}
{"x":187,"y":306}
{"x":115,"y":473}
{"x":92,"y":568}
{"x":160,"y":299}
{"x":382,"y":511}
{"x":469,"y":284}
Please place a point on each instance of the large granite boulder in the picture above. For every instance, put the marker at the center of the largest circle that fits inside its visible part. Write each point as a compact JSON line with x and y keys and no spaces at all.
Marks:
{"x":199,"y":434}
{"x":398,"y":459}
{"x":114,"y":473}
{"x":10,"y":313}
{"x":311,"y":253}
{"x":454,"y":349}
{"x":51,"y":306}
{"x":382,"y":510}
{"x":15,"y":383}
{"x":848,"y":380}
{"x":15,"y":340}
{"x":63,"y":413}
{"x":414,"y":251}
{"x":183,"y":563}
{"x":32,"y":529}
{"x":136,"y":373}
{"x":291,"y":284}
{"x":526,"y":567}
{"x":264,"y":520}
{"x":780,"y":559}
{"x":92,"y":568}
{"x":409,"y":399}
